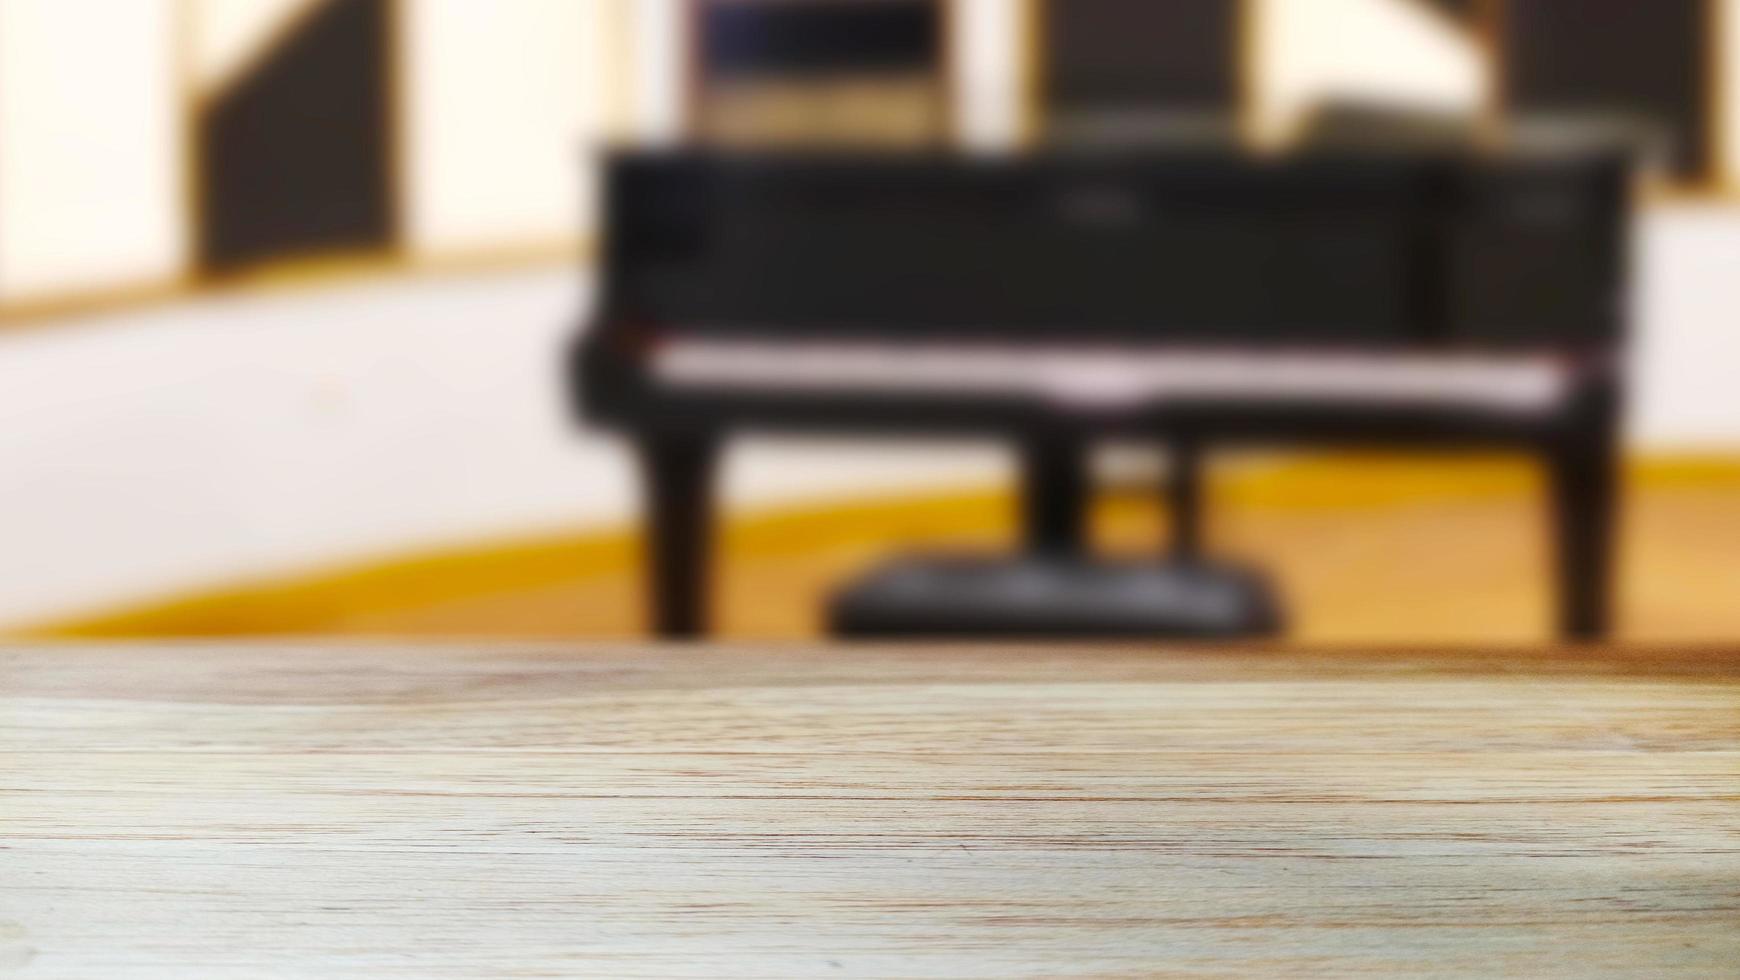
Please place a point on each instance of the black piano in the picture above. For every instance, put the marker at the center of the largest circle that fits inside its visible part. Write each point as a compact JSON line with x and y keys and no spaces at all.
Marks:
{"x":1197,"y":296}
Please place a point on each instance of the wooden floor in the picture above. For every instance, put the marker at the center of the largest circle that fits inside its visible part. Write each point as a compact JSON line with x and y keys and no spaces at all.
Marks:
{"x":296,"y":810}
{"x":1365,"y":550}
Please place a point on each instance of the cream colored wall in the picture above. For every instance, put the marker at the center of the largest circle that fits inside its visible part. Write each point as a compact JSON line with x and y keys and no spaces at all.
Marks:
{"x":91,"y":147}
{"x":225,"y":38}
{"x":1393,"y":50}
{"x":502,"y":105}
{"x":656,"y":72}
{"x":989,"y":50}
{"x":504,"y":109}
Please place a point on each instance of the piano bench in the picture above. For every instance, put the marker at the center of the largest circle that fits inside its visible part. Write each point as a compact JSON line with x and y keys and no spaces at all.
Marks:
{"x":1054,"y":596}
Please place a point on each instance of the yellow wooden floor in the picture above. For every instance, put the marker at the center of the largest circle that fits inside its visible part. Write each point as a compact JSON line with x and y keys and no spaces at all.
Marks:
{"x":1366,"y":550}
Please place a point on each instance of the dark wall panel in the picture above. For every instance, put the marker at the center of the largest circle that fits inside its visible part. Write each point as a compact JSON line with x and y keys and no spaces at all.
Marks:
{"x":747,"y":38}
{"x":1141,"y":54}
{"x":1460,"y":10}
{"x":1640,"y":58}
{"x":294,"y":158}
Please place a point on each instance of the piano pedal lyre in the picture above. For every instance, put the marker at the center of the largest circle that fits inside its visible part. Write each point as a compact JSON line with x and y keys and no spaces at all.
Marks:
{"x":1054,"y":588}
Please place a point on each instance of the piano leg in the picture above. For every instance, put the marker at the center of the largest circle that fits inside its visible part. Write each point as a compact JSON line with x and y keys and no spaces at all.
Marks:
{"x":1054,"y":497}
{"x":678,"y":484}
{"x":1584,"y":477}
{"x":1184,"y":499}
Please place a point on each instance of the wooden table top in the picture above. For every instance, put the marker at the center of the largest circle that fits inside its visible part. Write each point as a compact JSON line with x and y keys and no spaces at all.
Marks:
{"x":186,"y":811}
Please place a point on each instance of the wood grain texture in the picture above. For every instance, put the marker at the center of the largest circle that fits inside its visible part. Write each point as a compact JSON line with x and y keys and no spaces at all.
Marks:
{"x":445,"y":811}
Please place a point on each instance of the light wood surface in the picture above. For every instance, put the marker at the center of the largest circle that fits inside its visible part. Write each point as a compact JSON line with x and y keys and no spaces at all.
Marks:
{"x":441,"y":811}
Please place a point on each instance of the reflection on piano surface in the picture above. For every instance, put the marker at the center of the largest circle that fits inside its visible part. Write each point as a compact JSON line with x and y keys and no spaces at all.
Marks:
{"x":1192,"y":295}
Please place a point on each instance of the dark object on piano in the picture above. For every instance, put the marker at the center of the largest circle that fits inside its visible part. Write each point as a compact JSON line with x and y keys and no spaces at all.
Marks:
{"x":764,"y":39}
{"x":1191,"y":295}
{"x":1062,"y":597}
{"x":1355,"y":125}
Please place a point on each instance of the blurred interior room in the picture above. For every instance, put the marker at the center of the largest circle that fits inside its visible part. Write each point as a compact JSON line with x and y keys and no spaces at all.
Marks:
{"x":288,"y":290}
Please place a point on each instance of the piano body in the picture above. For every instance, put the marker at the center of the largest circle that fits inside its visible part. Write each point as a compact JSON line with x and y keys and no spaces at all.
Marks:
{"x":1197,"y":296}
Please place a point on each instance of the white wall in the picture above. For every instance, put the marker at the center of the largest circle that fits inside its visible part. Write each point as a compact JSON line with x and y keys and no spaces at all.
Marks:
{"x":657,"y":32}
{"x":502,"y":105}
{"x":504,"y":108}
{"x":227,"y":37}
{"x":188,"y":447}
{"x":91,"y":148}
{"x":1687,"y":334}
{"x":989,"y":38}
{"x":1310,"y":50}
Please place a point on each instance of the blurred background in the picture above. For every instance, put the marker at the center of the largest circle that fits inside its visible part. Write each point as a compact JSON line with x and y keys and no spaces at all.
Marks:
{"x":284,"y":286}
